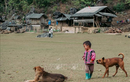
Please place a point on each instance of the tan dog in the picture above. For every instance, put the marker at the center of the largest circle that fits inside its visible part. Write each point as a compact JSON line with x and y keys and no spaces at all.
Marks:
{"x":118,"y":62}
{"x":43,"y":76}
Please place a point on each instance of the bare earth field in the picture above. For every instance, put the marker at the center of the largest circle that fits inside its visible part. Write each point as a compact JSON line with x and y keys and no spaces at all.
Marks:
{"x":19,"y":53}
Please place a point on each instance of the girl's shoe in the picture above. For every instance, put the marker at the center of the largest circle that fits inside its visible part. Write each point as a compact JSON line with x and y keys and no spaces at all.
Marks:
{"x":87,"y":76}
{"x":90,"y":75}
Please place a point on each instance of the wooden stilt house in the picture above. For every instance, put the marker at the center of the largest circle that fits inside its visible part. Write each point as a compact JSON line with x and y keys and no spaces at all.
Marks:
{"x":64,"y":20}
{"x":97,"y":16}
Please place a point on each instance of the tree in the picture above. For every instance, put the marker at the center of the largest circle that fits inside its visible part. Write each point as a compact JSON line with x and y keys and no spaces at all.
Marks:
{"x":119,"y":7}
{"x":2,"y":6}
{"x":5,"y":5}
{"x":128,"y":2}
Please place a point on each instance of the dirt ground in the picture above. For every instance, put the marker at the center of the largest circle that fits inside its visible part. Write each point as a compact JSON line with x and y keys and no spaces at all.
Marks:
{"x":19,"y":53}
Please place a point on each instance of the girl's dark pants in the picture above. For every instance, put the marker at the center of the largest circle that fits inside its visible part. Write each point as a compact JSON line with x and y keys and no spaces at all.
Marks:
{"x":89,"y":68}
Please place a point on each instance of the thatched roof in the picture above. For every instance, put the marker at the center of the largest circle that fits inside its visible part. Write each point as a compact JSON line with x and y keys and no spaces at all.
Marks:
{"x":96,"y":10}
{"x":35,"y":16}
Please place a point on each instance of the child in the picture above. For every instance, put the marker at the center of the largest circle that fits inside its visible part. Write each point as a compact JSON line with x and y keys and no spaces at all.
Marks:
{"x":51,"y":32}
{"x":89,"y":57}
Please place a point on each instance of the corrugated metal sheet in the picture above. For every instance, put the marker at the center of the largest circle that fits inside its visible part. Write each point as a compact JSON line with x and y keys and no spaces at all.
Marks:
{"x":61,"y":19}
{"x":67,"y":16}
{"x":91,"y":11}
{"x":98,"y":15}
{"x":34,"y":15}
{"x":107,"y":14}
{"x":85,"y":20}
{"x":83,"y":15}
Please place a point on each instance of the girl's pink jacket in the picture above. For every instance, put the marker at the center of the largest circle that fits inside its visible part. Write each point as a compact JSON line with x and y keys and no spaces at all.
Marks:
{"x":90,"y":56}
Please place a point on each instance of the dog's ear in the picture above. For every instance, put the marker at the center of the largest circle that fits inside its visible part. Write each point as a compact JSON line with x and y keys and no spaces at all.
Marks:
{"x":103,"y":58}
{"x":43,"y":69}
{"x":34,"y":68}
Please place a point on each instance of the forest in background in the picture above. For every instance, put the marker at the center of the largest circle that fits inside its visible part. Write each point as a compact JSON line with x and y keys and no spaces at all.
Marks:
{"x":22,"y":7}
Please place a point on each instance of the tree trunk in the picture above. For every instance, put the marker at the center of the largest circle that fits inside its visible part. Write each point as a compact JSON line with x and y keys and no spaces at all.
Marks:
{"x":5,"y":5}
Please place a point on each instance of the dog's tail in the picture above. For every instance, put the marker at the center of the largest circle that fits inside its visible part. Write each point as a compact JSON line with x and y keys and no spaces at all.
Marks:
{"x":121,"y":54}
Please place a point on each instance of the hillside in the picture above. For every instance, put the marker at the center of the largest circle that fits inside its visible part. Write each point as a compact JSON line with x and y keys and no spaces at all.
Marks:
{"x":122,"y":16}
{"x":8,"y":8}
{"x":51,"y":6}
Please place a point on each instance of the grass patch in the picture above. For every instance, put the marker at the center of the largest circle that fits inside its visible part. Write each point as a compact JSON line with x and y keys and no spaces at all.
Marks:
{"x":63,"y":53}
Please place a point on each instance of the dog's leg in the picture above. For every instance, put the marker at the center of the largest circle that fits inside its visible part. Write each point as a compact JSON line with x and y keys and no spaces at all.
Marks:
{"x":116,"y":70}
{"x":122,"y":67}
{"x":38,"y":74}
{"x":105,"y":72}
{"x":108,"y":73}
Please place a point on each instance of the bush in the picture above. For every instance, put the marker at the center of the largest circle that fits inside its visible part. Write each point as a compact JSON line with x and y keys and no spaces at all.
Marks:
{"x":119,"y":7}
{"x":76,"y":3}
{"x":1,"y":9}
{"x":63,"y":1}
{"x":54,"y":8}
{"x":105,"y":1}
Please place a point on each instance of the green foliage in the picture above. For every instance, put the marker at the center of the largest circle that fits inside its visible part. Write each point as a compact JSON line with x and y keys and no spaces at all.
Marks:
{"x":82,"y":6}
{"x":76,"y":3}
{"x":1,"y":8}
{"x":83,"y":3}
{"x":109,"y":1}
{"x":45,"y":9}
{"x":29,"y":1}
{"x":63,"y":1}
{"x":128,"y":2}
{"x":119,"y":7}
{"x":54,"y":8}
{"x":24,"y":5}
{"x":18,"y":5}
{"x":86,"y":2}
{"x":51,"y":5}
{"x":105,"y":1}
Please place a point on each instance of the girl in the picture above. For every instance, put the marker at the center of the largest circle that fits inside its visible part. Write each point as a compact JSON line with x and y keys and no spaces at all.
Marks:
{"x":89,"y":57}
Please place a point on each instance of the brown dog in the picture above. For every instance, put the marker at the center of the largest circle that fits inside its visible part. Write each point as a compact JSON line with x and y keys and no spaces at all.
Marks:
{"x":43,"y":76}
{"x":118,"y":62}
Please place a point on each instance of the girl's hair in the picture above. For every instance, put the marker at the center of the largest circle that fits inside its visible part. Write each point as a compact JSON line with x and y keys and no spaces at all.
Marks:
{"x":87,"y":43}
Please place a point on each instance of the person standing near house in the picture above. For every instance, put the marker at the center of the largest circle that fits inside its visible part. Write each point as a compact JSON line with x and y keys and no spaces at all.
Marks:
{"x":51,"y":32}
{"x":89,"y":57}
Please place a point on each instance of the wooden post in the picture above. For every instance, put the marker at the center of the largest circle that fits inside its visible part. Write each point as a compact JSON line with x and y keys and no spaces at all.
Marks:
{"x":75,"y":29}
{"x":56,"y":24}
{"x":78,"y":27}
{"x":61,"y":26}
{"x":93,"y":21}
{"x":71,"y":22}
{"x":29,"y":28}
{"x":14,"y":29}
{"x":82,"y":22}
{"x":56,"y":27}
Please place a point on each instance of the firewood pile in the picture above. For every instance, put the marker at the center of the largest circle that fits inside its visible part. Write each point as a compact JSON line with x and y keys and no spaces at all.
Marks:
{"x":10,"y":31}
{"x":113,"y":30}
{"x":5,"y":32}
